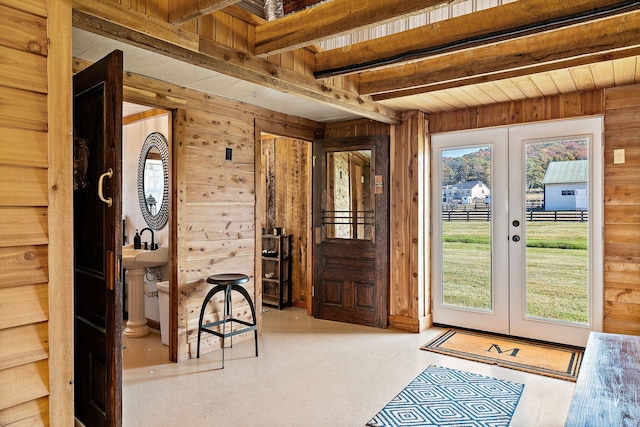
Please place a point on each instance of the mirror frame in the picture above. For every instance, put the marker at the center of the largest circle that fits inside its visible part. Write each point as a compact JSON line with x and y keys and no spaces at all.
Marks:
{"x":158,"y":141}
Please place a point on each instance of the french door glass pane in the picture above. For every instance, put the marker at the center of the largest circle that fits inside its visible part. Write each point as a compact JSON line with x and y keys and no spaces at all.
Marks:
{"x":465,"y":179}
{"x":557,"y":230}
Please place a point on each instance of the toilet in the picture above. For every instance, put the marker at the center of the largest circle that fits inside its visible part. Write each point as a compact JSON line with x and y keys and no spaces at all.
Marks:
{"x":163,"y":308}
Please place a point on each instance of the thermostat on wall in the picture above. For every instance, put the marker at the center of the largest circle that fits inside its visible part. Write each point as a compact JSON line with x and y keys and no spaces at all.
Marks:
{"x":618,"y":156}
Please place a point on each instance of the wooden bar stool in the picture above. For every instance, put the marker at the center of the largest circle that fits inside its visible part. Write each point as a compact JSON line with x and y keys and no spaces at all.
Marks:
{"x":226,"y":283}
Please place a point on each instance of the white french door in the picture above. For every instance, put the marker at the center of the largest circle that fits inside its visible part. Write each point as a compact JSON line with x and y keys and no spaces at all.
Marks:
{"x":517,"y":220}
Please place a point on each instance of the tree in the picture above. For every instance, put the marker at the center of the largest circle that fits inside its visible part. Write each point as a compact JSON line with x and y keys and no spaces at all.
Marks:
{"x":476,"y":166}
{"x":540,"y":154}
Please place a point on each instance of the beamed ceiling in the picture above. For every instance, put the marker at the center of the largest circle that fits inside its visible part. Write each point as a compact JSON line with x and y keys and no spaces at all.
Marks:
{"x":463,"y":54}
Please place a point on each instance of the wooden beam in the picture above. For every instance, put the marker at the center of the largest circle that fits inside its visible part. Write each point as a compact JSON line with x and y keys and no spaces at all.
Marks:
{"x":129,"y":18}
{"x":467,"y":30}
{"x":333,"y":19}
{"x":143,"y":116}
{"x":60,"y":217}
{"x":243,"y":15}
{"x":182,"y":11}
{"x":116,"y":22}
{"x":571,"y":46}
{"x":536,"y":69}
{"x":295,"y":5}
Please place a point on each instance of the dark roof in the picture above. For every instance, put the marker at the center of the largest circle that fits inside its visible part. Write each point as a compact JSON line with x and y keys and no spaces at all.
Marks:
{"x":469,"y":184}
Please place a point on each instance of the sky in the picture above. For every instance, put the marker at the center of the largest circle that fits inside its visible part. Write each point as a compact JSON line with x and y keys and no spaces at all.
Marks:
{"x":461,"y":152}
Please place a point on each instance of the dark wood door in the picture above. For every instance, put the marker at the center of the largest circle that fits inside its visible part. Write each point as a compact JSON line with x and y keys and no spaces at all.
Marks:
{"x":97,"y":116}
{"x":351,"y":229}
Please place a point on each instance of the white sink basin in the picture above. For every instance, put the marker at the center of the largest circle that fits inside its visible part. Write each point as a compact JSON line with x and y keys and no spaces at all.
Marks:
{"x":140,"y":258}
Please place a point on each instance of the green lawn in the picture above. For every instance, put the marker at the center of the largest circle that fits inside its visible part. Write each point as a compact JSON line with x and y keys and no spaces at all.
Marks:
{"x":557,"y":272}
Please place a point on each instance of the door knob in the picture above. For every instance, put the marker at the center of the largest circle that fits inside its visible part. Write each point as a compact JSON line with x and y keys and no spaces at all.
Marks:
{"x":515,"y":238}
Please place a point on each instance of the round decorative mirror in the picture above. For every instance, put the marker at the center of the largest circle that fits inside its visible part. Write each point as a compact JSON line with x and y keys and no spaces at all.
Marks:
{"x":153,"y":180}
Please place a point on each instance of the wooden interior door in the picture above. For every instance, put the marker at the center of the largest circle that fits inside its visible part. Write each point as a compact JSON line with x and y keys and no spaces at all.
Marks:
{"x":97,"y":110}
{"x":351,"y":228}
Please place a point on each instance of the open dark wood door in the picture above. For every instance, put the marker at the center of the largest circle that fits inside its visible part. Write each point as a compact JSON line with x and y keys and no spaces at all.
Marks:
{"x":97,"y":117}
{"x":351,"y":229}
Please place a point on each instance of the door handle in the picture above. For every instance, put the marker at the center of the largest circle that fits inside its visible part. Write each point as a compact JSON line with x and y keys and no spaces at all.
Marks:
{"x":107,"y":174}
{"x":515,"y":238}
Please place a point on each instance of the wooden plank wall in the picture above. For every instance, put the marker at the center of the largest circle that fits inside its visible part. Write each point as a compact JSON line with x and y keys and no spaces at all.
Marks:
{"x":353,"y":128}
{"x":287,"y":164}
{"x":622,"y":211}
{"x":31,"y":166}
{"x":409,"y":274}
{"x":573,"y":105}
{"x":268,"y":175}
{"x":24,"y":337}
{"x":219,"y":212}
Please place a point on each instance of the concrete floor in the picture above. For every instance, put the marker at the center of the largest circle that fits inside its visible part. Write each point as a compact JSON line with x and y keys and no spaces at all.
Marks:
{"x":309,"y":373}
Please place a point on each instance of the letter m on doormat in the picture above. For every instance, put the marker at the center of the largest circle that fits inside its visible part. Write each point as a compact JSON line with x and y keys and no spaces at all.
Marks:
{"x":514,"y":351}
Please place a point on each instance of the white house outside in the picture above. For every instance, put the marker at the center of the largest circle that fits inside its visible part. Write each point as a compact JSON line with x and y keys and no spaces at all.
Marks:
{"x":466,"y":192}
{"x":565,"y":186}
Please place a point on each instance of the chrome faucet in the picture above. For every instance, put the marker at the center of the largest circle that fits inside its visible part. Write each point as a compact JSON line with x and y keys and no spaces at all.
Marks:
{"x":153,"y":246}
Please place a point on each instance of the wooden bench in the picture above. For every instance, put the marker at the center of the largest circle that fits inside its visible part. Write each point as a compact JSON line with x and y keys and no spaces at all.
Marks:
{"x":608,"y":387}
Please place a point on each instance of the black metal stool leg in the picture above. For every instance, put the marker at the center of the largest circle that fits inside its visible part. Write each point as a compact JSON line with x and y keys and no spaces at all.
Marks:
{"x":210,"y":295}
{"x":228,"y":315}
{"x":230,"y":312}
{"x":246,"y":296}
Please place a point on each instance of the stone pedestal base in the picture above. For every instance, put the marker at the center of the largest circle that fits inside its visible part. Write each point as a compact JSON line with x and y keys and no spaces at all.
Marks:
{"x":137,"y":323}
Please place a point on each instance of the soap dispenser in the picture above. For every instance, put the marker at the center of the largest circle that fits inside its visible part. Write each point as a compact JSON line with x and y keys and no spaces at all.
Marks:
{"x":136,"y":241}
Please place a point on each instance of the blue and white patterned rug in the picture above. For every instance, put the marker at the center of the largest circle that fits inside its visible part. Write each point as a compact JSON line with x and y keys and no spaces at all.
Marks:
{"x":448,"y":397}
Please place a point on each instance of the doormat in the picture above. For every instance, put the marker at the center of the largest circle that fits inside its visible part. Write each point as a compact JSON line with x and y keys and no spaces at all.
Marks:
{"x":557,"y":361}
{"x":448,"y":397}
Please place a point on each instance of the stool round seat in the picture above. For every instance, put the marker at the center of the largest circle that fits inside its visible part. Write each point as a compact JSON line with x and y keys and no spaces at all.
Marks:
{"x":228,"y":279}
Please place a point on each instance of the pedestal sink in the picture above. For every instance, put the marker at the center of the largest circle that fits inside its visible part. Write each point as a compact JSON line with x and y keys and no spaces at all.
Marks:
{"x":136,"y":262}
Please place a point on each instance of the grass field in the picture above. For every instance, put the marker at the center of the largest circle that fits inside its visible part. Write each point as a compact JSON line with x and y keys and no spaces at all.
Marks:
{"x":556,"y":268}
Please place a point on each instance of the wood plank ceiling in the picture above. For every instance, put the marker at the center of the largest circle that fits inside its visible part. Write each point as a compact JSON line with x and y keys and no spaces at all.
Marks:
{"x":442,"y":55}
